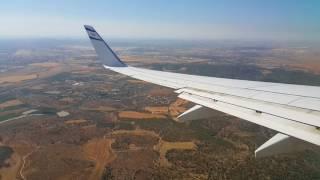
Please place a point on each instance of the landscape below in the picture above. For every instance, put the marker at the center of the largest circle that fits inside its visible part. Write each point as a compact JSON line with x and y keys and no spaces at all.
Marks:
{"x":62,"y":116}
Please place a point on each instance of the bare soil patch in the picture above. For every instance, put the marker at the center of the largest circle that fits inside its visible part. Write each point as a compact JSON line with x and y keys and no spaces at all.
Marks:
{"x":178,"y":107}
{"x":77,"y":121}
{"x":14,"y":170}
{"x":157,"y":109}
{"x":17,"y":78}
{"x":160,"y":91}
{"x":139,"y":115}
{"x":100,"y":151}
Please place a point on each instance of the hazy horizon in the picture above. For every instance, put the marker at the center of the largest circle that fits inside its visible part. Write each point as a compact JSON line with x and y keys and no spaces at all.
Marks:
{"x":164,"y":41}
{"x":247,"y":20}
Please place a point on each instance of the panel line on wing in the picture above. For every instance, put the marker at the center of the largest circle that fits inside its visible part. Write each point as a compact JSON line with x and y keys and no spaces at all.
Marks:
{"x":287,"y":112}
{"x":292,"y":128}
{"x":188,"y":78}
{"x":256,"y":95}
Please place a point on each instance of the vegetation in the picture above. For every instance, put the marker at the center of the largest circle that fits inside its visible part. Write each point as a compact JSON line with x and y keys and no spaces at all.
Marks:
{"x":124,"y":125}
{"x":47,"y":110}
{"x":222,"y":147}
{"x":7,"y":116}
{"x":168,"y":129}
{"x":5,"y":153}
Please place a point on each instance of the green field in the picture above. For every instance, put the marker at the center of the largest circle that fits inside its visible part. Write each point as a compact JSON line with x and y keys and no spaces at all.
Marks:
{"x":5,"y":153}
{"x":7,"y":116}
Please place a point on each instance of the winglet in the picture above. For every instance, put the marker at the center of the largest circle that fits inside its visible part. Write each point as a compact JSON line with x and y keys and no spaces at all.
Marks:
{"x":104,"y":52}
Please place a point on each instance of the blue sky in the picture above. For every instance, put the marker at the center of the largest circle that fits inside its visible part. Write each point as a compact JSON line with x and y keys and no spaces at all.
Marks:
{"x":176,"y":19}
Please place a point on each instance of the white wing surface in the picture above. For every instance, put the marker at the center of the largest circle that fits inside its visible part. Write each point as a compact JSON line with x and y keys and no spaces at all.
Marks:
{"x":291,"y":110}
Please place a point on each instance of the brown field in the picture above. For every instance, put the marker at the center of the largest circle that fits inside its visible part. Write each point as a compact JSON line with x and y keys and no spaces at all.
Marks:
{"x":81,"y":69}
{"x":150,"y":59}
{"x":134,"y":58}
{"x":157,"y":110}
{"x":174,"y":110}
{"x":45,"y":64}
{"x":67,"y":99}
{"x":312,"y":66}
{"x":177,"y":107}
{"x":58,"y":161}
{"x":35,"y":71}
{"x":51,"y":71}
{"x":163,"y":147}
{"x":160,"y":91}
{"x":92,"y":126}
{"x":17,"y":78}
{"x":179,"y":102}
{"x":138,"y":132}
{"x":78,"y":121}
{"x":293,"y":59}
{"x":10,"y":103}
{"x":139,"y":115}
{"x":45,"y":70}
{"x":100,"y":151}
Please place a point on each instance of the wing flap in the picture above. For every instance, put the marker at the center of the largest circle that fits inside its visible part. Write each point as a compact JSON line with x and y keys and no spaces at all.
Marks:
{"x":281,"y":143}
{"x":305,"y":116}
{"x":195,"y":113}
{"x":295,"y":129}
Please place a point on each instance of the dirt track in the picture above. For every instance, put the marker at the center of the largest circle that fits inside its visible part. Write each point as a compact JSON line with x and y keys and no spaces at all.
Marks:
{"x":100,"y":151}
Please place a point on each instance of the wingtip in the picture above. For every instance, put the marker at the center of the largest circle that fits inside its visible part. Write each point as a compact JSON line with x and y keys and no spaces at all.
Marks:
{"x":89,"y":28}
{"x":105,"y":53}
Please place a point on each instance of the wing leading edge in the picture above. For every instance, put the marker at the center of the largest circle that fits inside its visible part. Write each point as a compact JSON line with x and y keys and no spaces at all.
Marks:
{"x":292,"y":110}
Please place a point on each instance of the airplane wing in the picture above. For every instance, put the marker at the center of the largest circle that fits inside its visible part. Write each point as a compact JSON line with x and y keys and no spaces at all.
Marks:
{"x":291,"y":110}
